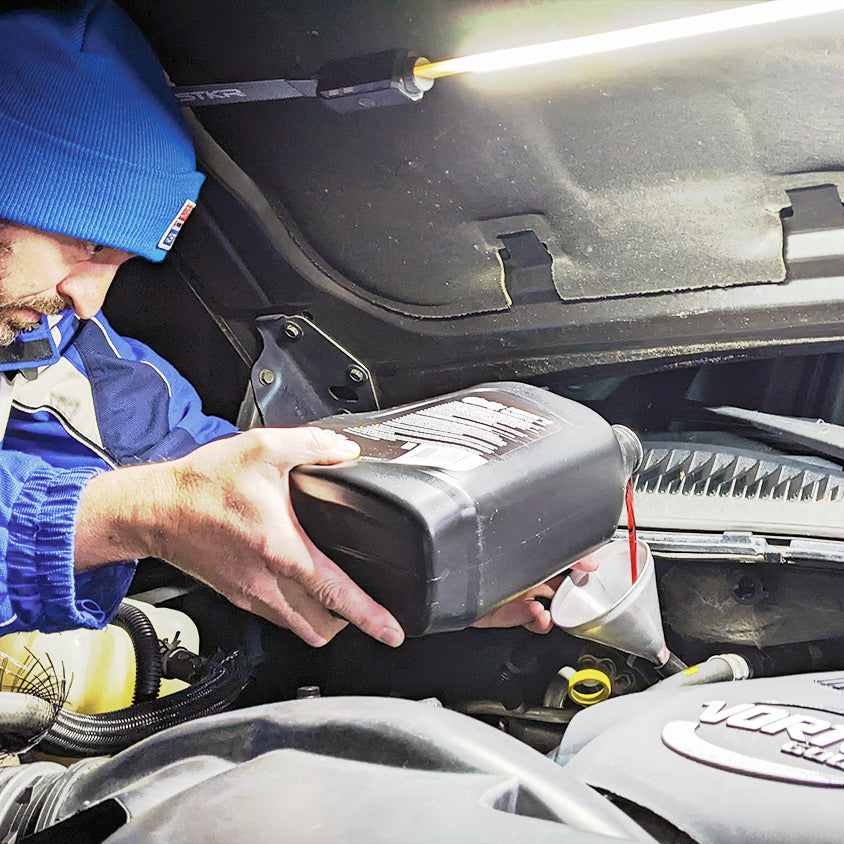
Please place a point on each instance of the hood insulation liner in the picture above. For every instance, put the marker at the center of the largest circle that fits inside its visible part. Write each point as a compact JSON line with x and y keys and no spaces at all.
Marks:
{"x":648,"y":171}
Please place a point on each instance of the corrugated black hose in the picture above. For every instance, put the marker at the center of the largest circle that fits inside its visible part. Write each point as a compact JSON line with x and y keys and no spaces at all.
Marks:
{"x":74,"y":734}
{"x":145,"y":644}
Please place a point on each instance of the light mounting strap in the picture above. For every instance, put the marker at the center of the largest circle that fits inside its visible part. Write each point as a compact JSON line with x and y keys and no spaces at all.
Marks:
{"x":363,"y":82}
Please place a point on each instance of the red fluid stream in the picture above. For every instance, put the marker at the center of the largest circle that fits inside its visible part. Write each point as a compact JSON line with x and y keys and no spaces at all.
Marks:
{"x":631,"y":530}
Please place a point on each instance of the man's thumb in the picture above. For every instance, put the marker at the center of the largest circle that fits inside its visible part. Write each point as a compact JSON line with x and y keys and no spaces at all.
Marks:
{"x":327,"y":446}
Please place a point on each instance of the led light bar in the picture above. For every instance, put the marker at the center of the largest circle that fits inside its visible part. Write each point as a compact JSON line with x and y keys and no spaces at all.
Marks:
{"x":771,"y":11}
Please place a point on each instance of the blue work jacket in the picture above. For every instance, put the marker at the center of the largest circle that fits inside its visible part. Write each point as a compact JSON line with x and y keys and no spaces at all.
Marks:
{"x":105,"y":401}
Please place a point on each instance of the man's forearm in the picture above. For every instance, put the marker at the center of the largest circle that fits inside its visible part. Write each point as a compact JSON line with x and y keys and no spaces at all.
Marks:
{"x":124,"y":515}
{"x":223,"y":514}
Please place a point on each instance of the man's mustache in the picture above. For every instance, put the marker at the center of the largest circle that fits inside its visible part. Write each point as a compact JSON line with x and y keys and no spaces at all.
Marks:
{"x":48,"y":304}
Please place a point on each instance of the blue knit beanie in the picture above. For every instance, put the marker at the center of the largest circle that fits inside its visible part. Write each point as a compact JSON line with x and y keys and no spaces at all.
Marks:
{"x":92,"y":141}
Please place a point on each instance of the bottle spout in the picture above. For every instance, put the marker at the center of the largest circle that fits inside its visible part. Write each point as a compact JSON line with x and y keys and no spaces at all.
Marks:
{"x":631,"y":448}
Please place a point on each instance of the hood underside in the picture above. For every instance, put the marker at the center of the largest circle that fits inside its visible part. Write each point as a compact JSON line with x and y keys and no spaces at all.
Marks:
{"x":630,"y":206}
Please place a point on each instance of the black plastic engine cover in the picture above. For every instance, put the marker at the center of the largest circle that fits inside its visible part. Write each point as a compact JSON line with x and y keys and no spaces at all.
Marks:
{"x":333,"y":770}
{"x":760,"y":760}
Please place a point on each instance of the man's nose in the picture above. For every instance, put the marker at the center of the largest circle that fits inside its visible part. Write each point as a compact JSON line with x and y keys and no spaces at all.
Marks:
{"x":86,"y":288}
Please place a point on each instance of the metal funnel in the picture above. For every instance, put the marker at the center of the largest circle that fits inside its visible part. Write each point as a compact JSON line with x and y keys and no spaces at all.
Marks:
{"x":605,"y":607}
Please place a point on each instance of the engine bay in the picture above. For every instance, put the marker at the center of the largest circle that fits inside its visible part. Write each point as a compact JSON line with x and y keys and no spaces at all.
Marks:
{"x":653,"y":243}
{"x":746,"y":572}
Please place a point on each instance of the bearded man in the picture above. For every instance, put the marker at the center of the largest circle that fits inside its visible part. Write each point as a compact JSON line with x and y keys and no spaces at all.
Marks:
{"x":106,"y":454}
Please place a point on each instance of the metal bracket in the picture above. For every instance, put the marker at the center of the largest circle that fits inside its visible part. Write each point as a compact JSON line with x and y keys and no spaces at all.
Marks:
{"x":302,"y":374}
{"x":742,"y":546}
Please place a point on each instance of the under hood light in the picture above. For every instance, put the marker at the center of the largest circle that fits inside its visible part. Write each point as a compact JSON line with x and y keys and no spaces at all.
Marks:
{"x":391,"y":77}
{"x":771,"y":11}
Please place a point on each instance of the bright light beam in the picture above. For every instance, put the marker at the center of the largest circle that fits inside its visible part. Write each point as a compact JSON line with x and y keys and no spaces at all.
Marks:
{"x":772,"y":11}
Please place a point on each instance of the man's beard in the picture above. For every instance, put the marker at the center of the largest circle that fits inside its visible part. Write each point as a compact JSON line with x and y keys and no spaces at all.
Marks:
{"x":13,"y":324}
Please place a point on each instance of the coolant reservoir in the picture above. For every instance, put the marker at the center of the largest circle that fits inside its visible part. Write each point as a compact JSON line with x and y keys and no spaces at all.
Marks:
{"x":99,"y":665}
{"x":459,"y":503}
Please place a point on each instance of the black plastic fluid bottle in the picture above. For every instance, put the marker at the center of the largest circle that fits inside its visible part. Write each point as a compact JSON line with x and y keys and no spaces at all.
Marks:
{"x":461,"y":502}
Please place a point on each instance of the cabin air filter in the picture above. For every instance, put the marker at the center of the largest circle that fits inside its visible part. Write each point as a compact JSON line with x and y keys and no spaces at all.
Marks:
{"x":461,"y":502}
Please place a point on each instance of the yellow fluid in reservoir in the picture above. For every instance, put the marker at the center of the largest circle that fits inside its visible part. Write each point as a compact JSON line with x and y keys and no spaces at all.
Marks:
{"x":99,"y":665}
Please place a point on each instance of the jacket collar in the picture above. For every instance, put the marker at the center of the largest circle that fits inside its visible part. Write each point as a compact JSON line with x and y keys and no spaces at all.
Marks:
{"x":42,"y":346}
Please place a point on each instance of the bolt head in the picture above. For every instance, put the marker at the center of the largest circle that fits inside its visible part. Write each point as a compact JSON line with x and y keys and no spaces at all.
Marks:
{"x":266,"y":376}
{"x":356,"y":374}
{"x":292,"y":331}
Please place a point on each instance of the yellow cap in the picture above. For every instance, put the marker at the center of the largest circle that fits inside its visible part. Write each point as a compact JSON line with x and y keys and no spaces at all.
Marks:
{"x":592,"y":679}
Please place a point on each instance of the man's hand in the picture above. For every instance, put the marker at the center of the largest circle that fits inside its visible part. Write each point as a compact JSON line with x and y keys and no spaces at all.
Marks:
{"x":223,"y":514}
{"x":525,"y":611}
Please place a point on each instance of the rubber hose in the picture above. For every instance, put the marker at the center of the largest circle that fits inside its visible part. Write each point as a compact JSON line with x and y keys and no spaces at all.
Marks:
{"x":717,"y":669}
{"x":74,"y":734}
{"x":147,"y":654}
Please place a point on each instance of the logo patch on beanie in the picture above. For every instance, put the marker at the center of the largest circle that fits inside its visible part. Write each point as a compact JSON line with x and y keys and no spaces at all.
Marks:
{"x":175,"y":227}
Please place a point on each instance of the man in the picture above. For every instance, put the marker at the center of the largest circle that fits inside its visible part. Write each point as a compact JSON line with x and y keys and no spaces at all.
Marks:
{"x":107,"y":456}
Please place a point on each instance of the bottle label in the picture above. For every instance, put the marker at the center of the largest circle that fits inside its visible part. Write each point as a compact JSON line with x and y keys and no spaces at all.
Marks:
{"x":458,"y":435}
